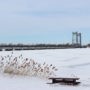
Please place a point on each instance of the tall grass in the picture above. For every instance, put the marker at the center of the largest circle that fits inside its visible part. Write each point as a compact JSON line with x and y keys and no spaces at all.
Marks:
{"x":18,"y":65}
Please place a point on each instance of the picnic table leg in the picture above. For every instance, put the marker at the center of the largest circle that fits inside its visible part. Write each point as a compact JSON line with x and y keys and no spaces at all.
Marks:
{"x":53,"y":81}
{"x":74,"y":81}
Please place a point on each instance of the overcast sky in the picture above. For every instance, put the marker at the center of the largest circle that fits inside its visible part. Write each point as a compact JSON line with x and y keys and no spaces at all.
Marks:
{"x":43,"y":21}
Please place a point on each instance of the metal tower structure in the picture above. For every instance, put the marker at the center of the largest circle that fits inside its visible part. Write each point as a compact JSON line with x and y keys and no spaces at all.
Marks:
{"x":76,"y":39}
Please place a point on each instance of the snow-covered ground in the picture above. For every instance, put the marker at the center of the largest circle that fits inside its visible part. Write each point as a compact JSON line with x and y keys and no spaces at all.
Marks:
{"x":70,"y":63}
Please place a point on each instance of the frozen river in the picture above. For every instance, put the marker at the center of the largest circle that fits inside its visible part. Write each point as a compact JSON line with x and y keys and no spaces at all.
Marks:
{"x":70,"y":63}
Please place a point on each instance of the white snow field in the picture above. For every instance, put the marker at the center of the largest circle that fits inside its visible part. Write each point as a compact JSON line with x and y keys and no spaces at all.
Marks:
{"x":70,"y":63}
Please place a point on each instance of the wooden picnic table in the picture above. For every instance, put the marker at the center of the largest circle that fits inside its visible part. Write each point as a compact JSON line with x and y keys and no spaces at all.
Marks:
{"x":64,"y":80}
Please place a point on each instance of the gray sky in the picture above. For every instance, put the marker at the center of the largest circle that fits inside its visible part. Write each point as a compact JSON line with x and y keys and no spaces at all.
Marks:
{"x":43,"y":21}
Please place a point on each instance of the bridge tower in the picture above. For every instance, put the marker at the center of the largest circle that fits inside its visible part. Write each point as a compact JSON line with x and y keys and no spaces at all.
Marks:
{"x":76,"y":39}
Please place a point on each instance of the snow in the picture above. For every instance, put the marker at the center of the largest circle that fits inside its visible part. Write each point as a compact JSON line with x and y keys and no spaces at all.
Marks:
{"x":70,"y":63}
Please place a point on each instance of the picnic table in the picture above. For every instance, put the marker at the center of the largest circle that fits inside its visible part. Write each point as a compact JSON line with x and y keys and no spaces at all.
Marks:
{"x":70,"y":81}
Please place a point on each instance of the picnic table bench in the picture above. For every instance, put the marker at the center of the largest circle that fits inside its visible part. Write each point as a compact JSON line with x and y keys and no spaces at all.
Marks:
{"x":70,"y":81}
